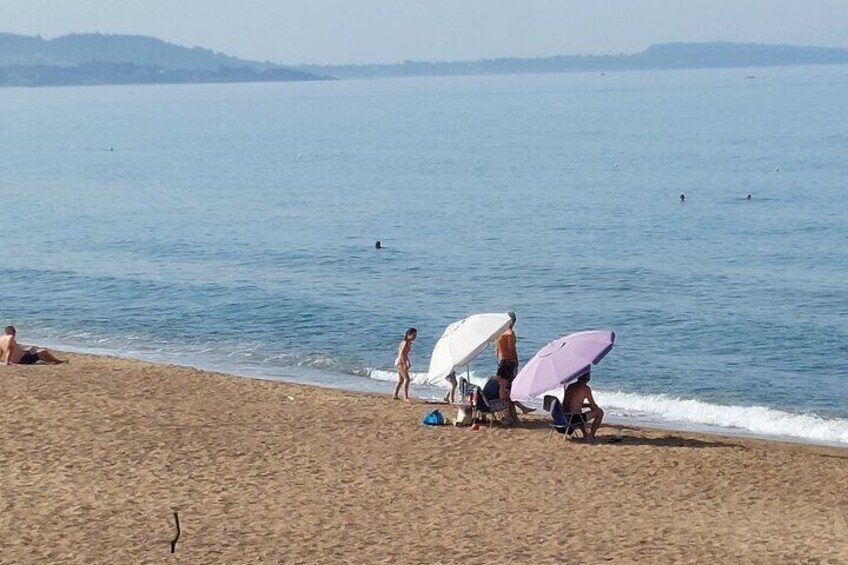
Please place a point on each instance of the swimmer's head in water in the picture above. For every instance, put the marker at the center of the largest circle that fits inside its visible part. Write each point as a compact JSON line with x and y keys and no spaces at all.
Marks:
{"x":378,"y":245}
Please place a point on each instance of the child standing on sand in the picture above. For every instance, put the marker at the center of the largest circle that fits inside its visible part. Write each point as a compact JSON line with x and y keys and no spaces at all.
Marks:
{"x":402,"y":363}
{"x":449,"y":395}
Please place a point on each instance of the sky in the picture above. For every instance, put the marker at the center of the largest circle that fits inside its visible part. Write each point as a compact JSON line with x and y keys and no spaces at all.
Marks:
{"x":381,"y":31}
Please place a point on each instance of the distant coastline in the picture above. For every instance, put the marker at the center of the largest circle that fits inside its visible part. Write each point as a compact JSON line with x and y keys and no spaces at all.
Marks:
{"x":98,"y":59}
{"x":99,"y":73}
{"x":666,"y":56}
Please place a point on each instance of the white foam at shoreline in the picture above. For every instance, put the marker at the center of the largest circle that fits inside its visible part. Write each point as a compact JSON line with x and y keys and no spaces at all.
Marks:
{"x":699,"y":416}
{"x":757,"y":420}
{"x":418,"y":379}
{"x":659,"y":409}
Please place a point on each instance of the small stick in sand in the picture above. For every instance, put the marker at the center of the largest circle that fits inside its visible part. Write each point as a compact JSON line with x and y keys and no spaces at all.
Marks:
{"x":174,"y":541}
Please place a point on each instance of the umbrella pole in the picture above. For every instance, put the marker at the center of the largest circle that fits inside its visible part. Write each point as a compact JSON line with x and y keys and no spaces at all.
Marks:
{"x":474,"y":414}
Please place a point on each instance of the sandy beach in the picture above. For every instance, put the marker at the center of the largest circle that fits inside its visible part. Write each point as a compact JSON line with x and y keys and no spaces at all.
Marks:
{"x":97,"y":455}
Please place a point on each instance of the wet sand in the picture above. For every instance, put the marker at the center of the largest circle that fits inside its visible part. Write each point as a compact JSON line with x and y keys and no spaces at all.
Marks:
{"x":96,"y":456}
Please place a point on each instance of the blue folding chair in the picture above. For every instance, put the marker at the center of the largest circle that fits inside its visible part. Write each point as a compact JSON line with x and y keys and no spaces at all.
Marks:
{"x":563,"y":422}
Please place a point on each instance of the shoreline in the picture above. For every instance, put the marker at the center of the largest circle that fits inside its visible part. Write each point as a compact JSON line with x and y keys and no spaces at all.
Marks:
{"x":382,"y":389}
{"x":99,"y":453}
{"x":370,"y":385}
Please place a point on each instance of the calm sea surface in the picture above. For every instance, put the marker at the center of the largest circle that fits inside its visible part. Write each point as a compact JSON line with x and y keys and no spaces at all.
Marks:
{"x":233,"y":227}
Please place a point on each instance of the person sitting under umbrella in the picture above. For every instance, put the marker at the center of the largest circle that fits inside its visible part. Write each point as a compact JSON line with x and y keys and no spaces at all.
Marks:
{"x":497,"y":388}
{"x":496,"y":392}
{"x":576,"y":394}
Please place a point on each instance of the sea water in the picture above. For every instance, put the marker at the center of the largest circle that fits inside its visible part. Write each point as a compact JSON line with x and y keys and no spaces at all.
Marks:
{"x":233,"y":226}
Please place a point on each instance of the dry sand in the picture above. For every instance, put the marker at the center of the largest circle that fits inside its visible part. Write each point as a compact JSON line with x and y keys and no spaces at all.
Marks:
{"x":96,"y":455}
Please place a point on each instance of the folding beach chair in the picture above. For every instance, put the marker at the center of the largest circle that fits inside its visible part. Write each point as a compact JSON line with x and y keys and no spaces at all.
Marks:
{"x":497,"y":408}
{"x":474,"y":399}
{"x":563,"y":422}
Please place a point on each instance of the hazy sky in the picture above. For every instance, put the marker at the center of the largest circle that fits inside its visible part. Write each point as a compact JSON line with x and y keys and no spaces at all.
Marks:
{"x":343,"y":31}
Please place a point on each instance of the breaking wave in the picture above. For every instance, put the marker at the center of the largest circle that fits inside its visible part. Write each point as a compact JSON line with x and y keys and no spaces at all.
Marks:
{"x":756,"y":420}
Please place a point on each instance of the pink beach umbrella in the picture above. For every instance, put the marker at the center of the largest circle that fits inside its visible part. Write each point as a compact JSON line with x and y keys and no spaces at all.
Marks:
{"x":561,"y":361}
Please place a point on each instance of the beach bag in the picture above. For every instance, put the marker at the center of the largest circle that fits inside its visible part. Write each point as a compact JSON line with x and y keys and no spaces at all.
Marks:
{"x":433,"y":418}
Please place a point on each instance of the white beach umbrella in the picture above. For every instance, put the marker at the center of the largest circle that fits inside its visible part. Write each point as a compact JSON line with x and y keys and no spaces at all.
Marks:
{"x":462,"y":341}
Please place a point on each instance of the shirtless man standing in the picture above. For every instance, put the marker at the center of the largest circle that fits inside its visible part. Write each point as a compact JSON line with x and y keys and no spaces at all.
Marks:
{"x":508,"y":365}
{"x":505,"y":349}
{"x":13,"y":354}
{"x":575,"y":395}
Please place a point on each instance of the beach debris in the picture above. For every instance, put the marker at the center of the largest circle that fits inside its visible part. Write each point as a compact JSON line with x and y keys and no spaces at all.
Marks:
{"x":290,"y":397}
{"x":177,"y":537}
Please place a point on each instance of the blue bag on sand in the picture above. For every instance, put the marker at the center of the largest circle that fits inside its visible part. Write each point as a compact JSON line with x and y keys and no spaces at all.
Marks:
{"x":433,"y":418}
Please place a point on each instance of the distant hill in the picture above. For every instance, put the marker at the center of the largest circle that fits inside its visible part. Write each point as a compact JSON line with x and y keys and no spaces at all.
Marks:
{"x":656,"y":57}
{"x":95,"y":58}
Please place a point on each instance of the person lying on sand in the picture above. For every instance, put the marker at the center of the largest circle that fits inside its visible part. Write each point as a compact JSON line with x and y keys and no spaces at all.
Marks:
{"x":576,"y":394}
{"x":12,"y":353}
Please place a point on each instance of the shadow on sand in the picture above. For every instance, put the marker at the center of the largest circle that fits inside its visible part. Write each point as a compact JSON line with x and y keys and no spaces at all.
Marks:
{"x":670,"y":441}
{"x":630,"y":436}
